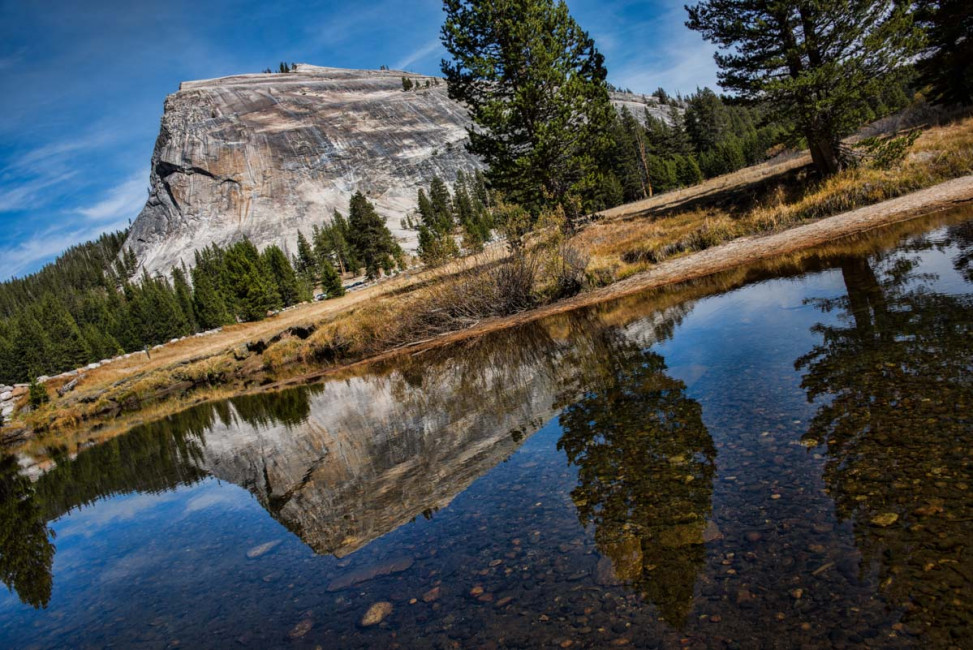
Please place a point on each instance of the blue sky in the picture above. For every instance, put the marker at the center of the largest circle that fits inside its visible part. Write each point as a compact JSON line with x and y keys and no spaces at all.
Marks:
{"x":82,"y":85}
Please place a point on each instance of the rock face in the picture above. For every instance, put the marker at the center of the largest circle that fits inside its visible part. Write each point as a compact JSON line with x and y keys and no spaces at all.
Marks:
{"x":266,"y":155}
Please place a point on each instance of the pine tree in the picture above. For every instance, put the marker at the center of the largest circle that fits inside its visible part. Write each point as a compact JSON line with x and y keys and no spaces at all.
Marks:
{"x":8,"y":372}
{"x":67,"y":347}
{"x":254,"y":291}
{"x":330,"y":280}
{"x":948,"y":61}
{"x":31,"y":347}
{"x":305,"y":263}
{"x":815,"y":64}
{"x":282,"y":274}
{"x":436,"y":243}
{"x":687,"y":171}
{"x":332,"y":242}
{"x":101,"y":343}
{"x":37,"y":394}
{"x":442,"y":206}
{"x":627,"y":157}
{"x":534,"y":85}
{"x":163,"y":318}
{"x":706,"y":120}
{"x":370,"y":237}
{"x":184,"y":296}
{"x":208,"y":303}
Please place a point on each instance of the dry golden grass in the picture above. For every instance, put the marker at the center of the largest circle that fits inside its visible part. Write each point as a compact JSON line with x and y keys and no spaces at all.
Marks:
{"x":621,"y":245}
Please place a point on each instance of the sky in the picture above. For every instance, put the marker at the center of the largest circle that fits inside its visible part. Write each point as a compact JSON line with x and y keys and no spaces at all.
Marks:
{"x":82,"y":85}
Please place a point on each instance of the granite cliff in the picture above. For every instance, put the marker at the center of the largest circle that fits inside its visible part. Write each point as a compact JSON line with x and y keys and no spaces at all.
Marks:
{"x":264,"y":155}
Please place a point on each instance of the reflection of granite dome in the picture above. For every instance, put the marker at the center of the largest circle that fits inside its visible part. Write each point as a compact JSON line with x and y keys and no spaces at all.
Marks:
{"x":368,"y":458}
{"x":264,"y":155}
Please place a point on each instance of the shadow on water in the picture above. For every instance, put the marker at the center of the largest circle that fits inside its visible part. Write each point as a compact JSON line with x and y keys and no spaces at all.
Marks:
{"x":346,"y":465}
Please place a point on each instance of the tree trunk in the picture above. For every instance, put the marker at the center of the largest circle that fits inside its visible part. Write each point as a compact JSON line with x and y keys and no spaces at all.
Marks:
{"x":645,"y":165}
{"x":824,"y":154}
{"x":866,"y":298}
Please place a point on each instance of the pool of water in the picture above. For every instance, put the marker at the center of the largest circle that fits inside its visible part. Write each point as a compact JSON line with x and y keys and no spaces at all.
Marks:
{"x":774,"y":457}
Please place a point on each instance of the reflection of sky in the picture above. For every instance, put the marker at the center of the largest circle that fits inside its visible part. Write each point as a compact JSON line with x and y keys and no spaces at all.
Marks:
{"x":108,"y":550}
{"x":761,"y":327}
{"x":755,"y":334}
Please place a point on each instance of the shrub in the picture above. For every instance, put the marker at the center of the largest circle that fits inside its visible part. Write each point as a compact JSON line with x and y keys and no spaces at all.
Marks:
{"x":37,"y":394}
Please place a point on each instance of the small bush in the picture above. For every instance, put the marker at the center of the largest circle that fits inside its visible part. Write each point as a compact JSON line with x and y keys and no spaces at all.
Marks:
{"x":37,"y":394}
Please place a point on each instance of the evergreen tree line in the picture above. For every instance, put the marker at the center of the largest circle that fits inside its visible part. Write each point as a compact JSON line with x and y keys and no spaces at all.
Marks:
{"x":704,"y":137}
{"x":282,"y":67}
{"x":90,"y":305}
{"x":441,"y":216}
{"x":62,"y":328}
{"x":410,"y":84}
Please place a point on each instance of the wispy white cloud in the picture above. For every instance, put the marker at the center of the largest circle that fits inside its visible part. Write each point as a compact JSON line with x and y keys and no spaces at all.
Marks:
{"x":45,"y":245}
{"x":684,"y":66}
{"x":647,"y":45}
{"x":10,"y":61}
{"x":31,"y":194}
{"x":121,"y":202}
{"x":34,"y":178}
{"x":419,"y":54}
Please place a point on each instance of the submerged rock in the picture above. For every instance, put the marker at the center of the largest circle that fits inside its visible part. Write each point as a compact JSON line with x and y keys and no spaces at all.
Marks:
{"x":301,"y":629}
{"x":885,"y":519}
{"x":376,"y":613}
{"x":389,"y":567}
{"x":262,"y":549}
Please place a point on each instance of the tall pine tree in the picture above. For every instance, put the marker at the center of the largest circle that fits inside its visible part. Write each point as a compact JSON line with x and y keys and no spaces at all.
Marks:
{"x":948,"y":64}
{"x":250,"y":283}
{"x":816,"y":64}
{"x":534,"y":85}
{"x":282,"y":274}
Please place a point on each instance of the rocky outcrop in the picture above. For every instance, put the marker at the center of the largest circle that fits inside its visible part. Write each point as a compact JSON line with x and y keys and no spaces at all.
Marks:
{"x":264,"y":155}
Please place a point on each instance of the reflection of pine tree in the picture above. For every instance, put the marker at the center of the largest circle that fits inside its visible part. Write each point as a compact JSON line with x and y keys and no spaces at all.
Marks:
{"x":961,"y":236}
{"x":897,"y":374}
{"x":26,"y":551}
{"x":645,"y":471}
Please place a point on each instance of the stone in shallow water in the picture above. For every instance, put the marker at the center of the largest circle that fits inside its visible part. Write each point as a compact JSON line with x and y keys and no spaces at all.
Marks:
{"x":301,"y":629}
{"x":885,"y":519}
{"x":262,"y":549}
{"x":396,"y":565}
{"x":712,"y":532}
{"x":376,"y":613}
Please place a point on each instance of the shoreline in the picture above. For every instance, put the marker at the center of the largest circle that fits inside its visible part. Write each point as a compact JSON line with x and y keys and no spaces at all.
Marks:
{"x":728,"y":256}
{"x":695,"y":266}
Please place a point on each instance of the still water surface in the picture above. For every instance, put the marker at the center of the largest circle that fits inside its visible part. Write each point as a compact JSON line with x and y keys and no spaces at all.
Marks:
{"x":775,"y":457}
